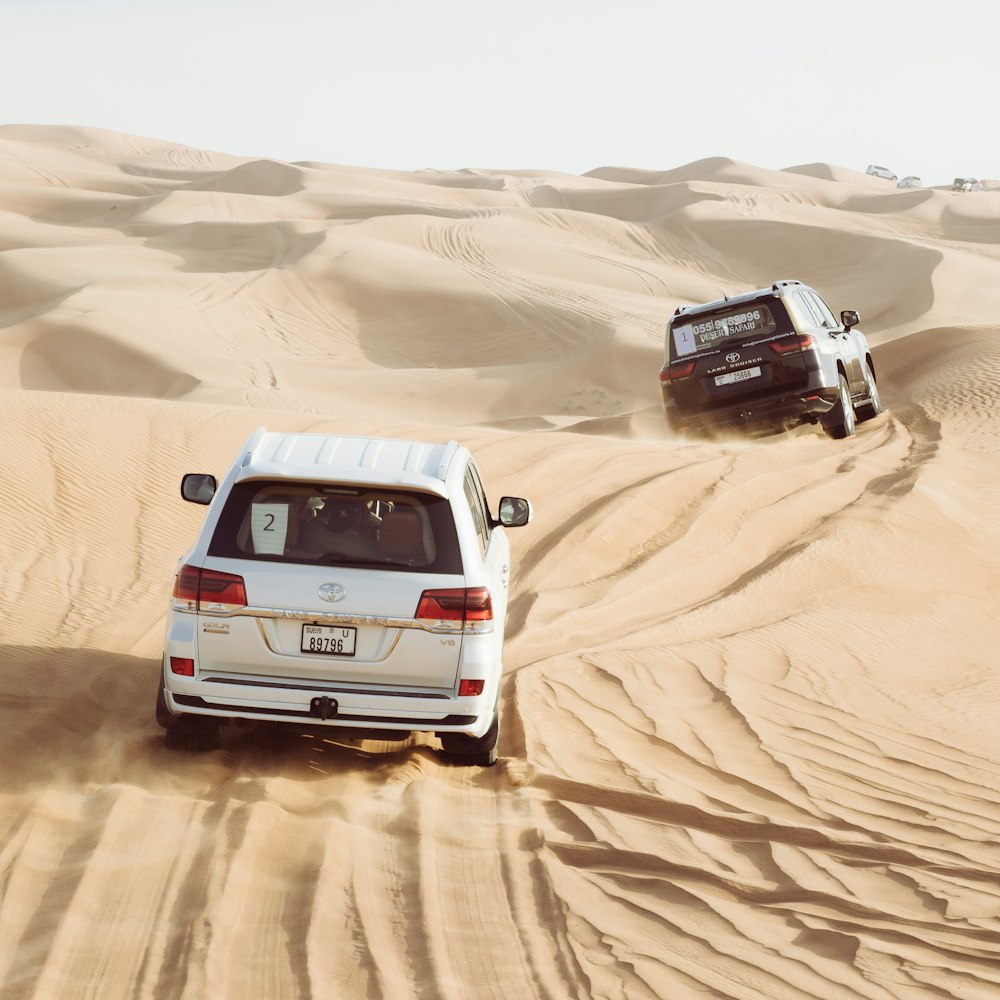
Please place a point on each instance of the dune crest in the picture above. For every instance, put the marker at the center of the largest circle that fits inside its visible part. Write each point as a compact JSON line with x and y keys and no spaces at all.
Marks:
{"x":749,"y":743}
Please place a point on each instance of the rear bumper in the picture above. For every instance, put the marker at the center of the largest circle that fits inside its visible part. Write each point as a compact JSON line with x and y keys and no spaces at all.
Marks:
{"x":804,"y":407}
{"x":284,"y":700}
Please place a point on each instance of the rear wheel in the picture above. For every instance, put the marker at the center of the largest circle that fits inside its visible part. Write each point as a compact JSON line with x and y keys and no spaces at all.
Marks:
{"x":194,"y":733}
{"x":872,"y":406}
{"x":482,"y":752}
{"x":839,"y":422}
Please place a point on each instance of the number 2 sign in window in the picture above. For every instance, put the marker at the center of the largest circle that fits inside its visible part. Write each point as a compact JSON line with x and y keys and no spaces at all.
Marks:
{"x":269,"y":528}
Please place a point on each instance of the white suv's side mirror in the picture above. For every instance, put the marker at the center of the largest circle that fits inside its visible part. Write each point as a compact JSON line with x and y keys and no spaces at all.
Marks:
{"x":514,"y":512}
{"x":850,"y":317}
{"x":199,"y":487}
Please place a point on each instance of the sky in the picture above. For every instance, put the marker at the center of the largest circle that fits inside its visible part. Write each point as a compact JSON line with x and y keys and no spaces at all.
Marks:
{"x":554,"y":85}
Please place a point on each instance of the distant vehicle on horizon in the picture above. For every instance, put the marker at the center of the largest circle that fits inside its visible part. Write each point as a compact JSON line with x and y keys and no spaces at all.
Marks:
{"x":767,"y":361}
{"x":910,"y":182}
{"x":883,"y":172}
{"x":966,"y":184}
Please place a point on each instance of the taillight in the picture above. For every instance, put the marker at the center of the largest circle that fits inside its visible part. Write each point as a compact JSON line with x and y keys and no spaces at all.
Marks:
{"x":459,"y":609}
{"x":469,"y":688}
{"x":800,"y":342}
{"x":208,"y":590}
{"x":182,"y":665}
{"x":674,"y":372}
{"x":186,"y":588}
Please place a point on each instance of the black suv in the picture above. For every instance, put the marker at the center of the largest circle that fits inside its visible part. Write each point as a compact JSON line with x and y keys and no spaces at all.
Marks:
{"x":767,"y":360}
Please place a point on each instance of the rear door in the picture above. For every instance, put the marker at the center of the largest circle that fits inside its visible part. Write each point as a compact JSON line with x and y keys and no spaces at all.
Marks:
{"x":844,"y":341}
{"x":722,"y":357}
{"x":321,"y":606}
{"x":493,"y":546}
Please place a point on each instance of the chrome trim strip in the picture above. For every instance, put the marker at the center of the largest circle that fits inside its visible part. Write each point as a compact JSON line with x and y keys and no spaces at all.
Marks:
{"x":336,"y":618}
{"x":265,"y":638}
{"x":308,"y":685}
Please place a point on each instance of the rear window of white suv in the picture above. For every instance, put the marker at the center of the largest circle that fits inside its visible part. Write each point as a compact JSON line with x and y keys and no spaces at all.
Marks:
{"x":330,"y":525}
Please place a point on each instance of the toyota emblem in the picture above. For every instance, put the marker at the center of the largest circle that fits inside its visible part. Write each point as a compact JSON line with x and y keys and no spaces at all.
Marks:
{"x":732,"y":356}
{"x":332,"y":592}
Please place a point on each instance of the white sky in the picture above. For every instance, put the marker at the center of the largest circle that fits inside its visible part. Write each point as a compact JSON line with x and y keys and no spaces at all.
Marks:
{"x":566,"y":85}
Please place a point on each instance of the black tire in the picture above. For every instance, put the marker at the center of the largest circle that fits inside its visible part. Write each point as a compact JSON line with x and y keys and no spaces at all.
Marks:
{"x":192,"y":738}
{"x":872,"y":406}
{"x":482,"y":752}
{"x":193,"y":733}
{"x":674,"y":424}
{"x":840,"y":421}
{"x":163,"y":716}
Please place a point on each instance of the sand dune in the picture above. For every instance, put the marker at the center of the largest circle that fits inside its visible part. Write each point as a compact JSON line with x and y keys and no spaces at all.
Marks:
{"x":750,"y":746}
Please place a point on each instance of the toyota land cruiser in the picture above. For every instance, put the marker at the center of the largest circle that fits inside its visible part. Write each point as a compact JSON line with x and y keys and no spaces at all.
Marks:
{"x":358,"y":584}
{"x":767,"y":360}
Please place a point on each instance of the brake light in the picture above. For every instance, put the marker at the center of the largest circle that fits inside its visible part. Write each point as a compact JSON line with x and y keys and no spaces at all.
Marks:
{"x":800,"y":342}
{"x":208,"y":590}
{"x":675,"y":372}
{"x":468,"y":688}
{"x":458,"y":609}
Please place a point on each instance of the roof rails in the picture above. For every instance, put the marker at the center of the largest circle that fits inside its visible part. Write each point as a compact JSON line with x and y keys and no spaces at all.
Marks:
{"x":449,"y":452}
{"x":777,"y":286}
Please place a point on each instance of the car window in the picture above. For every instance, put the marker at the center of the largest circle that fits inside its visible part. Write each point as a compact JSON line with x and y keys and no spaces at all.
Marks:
{"x":325,"y":524}
{"x":824,"y":311}
{"x":477,"y":504}
{"x":707,"y":330}
{"x":806,"y":310}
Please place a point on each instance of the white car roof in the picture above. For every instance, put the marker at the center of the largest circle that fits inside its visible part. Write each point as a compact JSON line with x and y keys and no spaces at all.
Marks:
{"x":334,"y":458}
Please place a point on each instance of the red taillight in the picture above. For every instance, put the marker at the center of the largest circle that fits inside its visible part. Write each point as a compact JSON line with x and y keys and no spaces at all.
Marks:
{"x":464,"y":605}
{"x":221,"y":588}
{"x":181,"y":665}
{"x":470,"y":688}
{"x":675,"y":372}
{"x":208,"y":590}
{"x":801,"y":342}
{"x":186,"y":586}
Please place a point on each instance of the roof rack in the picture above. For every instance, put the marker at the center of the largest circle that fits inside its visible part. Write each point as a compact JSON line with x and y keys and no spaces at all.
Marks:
{"x":449,"y":452}
{"x":784,"y":283}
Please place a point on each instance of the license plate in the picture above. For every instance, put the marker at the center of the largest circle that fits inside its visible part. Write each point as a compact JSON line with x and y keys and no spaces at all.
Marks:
{"x":741,"y":376}
{"x":332,"y":641}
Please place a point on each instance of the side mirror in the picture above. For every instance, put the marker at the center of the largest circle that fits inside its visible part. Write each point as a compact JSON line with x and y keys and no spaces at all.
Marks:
{"x":515,"y":512}
{"x":850,"y":317}
{"x":199,"y":487}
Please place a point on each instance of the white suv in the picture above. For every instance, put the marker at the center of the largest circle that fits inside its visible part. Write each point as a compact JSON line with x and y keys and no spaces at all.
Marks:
{"x":354,"y":583}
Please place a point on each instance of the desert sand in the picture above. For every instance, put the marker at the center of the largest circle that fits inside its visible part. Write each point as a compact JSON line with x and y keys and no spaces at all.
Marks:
{"x":750,"y":708}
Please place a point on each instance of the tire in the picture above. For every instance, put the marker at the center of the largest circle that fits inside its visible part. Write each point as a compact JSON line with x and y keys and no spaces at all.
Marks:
{"x":163,"y":716}
{"x":840,"y":421}
{"x":872,"y":406}
{"x":482,"y":752}
{"x":674,"y":425}
{"x":192,"y":733}
{"x":192,"y":738}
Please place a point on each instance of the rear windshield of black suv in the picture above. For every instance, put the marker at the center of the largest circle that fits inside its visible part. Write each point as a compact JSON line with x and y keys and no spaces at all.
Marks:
{"x":705,"y":331}
{"x":330,"y":525}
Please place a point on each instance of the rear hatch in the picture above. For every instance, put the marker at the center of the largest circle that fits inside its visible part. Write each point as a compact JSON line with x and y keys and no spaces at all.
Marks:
{"x":719,"y":358}
{"x":286,"y":593}
{"x":367,"y":637}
